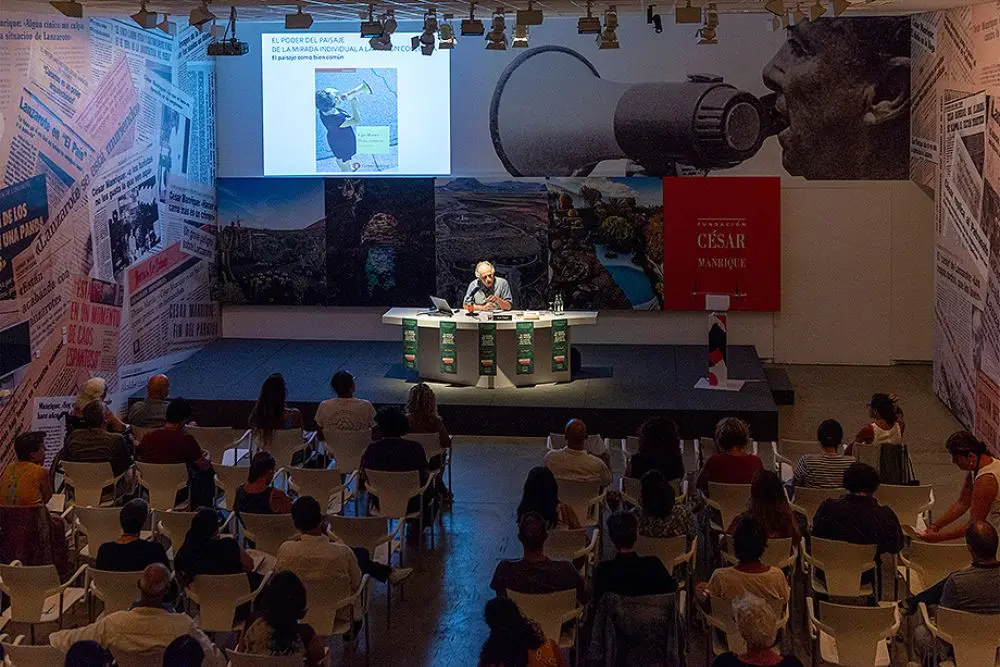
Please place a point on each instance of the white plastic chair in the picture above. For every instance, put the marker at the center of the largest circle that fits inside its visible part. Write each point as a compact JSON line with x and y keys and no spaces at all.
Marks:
{"x":788,"y":452}
{"x":19,"y":654}
{"x":229,"y":479}
{"x":174,"y":525}
{"x":268,"y":531}
{"x":730,"y":500}
{"x":99,"y":524}
{"x":237,"y":659}
{"x":36,"y":595}
{"x":218,"y":596}
{"x":139,"y":432}
{"x":912,"y":504}
{"x":117,"y":590}
{"x":808,"y":500}
{"x":926,"y":563}
{"x":394,"y":491}
{"x":630,"y":445}
{"x":431,"y":442}
{"x":853,"y":636}
{"x":284,"y":444}
{"x":323,"y":485}
{"x":631,"y":490}
{"x":974,"y":638}
{"x":325,"y":604}
{"x":371,"y":533}
{"x":163,"y":481}
{"x":780,"y":553}
{"x":88,"y":480}
{"x":347,"y":448}
{"x":842,"y":565}
{"x":573,"y":544}
{"x":586,"y":499}
{"x":595,"y":443}
{"x":551,"y":611}
{"x":724,"y":635}
{"x":672,"y":551}
{"x":217,"y":440}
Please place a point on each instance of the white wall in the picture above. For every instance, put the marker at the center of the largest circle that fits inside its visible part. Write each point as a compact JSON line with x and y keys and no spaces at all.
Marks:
{"x":857,"y":288}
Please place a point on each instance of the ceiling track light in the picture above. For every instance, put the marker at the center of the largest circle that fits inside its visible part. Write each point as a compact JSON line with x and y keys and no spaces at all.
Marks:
{"x":816,"y":10}
{"x":608,"y":39}
{"x":707,"y":33}
{"x":589,"y":24}
{"x":654,"y":20}
{"x":299,"y":20}
{"x":369,"y":26}
{"x":446,"y":33}
{"x":520,"y":40}
{"x":472,"y":27}
{"x":167,"y":26}
{"x":383,"y":41}
{"x":68,"y":8}
{"x":529,"y":16}
{"x":425,"y":41}
{"x":201,"y":15}
{"x":496,"y":38}
{"x":776,"y":7}
{"x":687,"y":13}
{"x":840,"y":6}
{"x":144,"y":18}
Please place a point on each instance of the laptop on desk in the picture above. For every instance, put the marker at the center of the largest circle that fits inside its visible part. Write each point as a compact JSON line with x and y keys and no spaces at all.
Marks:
{"x":441,"y":307}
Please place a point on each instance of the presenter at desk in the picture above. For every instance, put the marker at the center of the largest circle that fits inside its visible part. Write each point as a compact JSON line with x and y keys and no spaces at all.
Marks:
{"x":487,"y":291}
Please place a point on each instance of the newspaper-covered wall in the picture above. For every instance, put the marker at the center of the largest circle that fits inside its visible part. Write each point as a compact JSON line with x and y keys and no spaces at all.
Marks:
{"x":107,"y":209}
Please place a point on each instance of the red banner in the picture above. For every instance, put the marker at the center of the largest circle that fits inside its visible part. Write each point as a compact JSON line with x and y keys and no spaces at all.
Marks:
{"x":722,"y":236}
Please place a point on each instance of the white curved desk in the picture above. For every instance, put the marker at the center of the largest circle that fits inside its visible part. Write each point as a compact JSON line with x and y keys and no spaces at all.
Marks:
{"x":467,"y":346}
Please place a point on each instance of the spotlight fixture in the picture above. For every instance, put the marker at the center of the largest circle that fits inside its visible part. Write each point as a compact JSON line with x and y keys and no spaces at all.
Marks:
{"x":496,"y":38}
{"x":799,"y":15}
{"x":68,"y":8}
{"x":816,"y":10}
{"x":472,"y":27}
{"x":299,"y":20}
{"x":383,"y":42}
{"x":529,"y":16}
{"x":520,"y":40}
{"x":425,"y":40}
{"x":608,"y":39}
{"x":167,"y":26}
{"x":840,"y":6}
{"x":589,"y":24}
{"x":654,"y":20}
{"x":707,"y":32}
{"x":446,"y":33}
{"x":687,"y":13}
{"x":201,"y":15}
{"x":370,"y":27}
{"x":228,"y":45}
{"x":776,"y":7}
{"x":144,"y":18}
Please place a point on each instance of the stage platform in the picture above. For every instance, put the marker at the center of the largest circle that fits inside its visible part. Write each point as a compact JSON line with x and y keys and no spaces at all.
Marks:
{"x":617,"y":388}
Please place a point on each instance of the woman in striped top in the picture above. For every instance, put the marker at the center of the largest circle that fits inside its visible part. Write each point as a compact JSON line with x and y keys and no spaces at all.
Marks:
{"x":824,"y":470}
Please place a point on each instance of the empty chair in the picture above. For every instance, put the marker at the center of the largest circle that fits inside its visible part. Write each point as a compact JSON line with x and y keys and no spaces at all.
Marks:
{"x":20,"y":654}
{"x":730,"y":500}
{"x":927,"y":563}
{"x":586,"y":499}
{"x":431,"y":442}
{"x":842,"y":565}
{"x":36,"y":596}
{"x":912,"y":504}
{"x":853,"y":636}
{"x":672,"y":551}
{"x":347,"y":447}
{"x":268,"y":531}
{"x":237,"y":659}
{"x":163,"y":481}
{"x":88,"y":480}
{"x":369,"y":532}
{"x":217,"y":440}
{"x":117,"y":590}
{"x":551,"y":611}
{"x":323,"y":485}
{"x":229,"y":478}
{"x":100,"y":525}
{"x":808,"y":500}
{"x":631,"y":490}
{"x":974,"y":638}
{"x":788,"y":452}
{"x":218,"y":596}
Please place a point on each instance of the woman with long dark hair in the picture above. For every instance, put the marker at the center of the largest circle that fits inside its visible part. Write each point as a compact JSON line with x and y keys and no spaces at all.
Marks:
{"x":258,"y":496}
{"x":979,"y":496}
{"x":278,"y":631}
{"x":661,"y":515}
{"x":659,"y":449}
{"x":204,"y":552}
{"x":515,"y":641}
{"x":541,"y":494}
{"x":769,"y":505}
{"x":270,"y":414}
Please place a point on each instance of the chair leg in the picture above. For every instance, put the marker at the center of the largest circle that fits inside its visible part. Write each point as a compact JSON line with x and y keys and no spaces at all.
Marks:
{"x":388,"y":605}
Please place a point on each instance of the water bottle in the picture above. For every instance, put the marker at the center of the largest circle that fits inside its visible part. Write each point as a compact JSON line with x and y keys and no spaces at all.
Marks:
{"x":559,"y":303}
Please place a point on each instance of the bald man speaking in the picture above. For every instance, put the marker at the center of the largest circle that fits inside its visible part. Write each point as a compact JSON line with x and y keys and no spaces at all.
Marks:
{"x":488,"y":291}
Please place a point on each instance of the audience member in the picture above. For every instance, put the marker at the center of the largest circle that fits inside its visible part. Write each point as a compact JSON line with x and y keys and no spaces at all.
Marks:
{"x":749,"y":575}
{"x":173,"y":444}
{"x":278,"y":629}
{"x":886,"y":427}
{"x":149,"y":624}
{"x":185,"y":651}
{"x":514,"y":641}
{"x":94,"y":389}
{"x":344,"y":413}
{"x":25,"y":481}
{"x":659,"y":449}
{"x":541,"y":494}
{"x":205,"y":552}
{"x":93,"y":443}
{"x":734,"y":464}
{"x":271,"y":414}
{"x":769,"y":504}
{"x":628,"y":573}
{"x":422,"y":414}
{"x":573,"y":462}
{"x":979,"y":496}
{"x":258,"y":496}
{"x":88,"y":653}
{"x":535,"y":572}
{"x":758,"y":625}
{"x":661,"y":515}
{"x":130,"y":553}
{"x":826,"y":469}
{"x":857,"y":517}
{"x":151,"y":412}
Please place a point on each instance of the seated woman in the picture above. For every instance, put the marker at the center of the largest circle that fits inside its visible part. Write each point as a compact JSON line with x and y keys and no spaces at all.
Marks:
{"x":659,"y":449}
{"x":257,"y":496}
{"x":514,"y":640}
{"x":661,"y":515}
{"x":94,"y":389}
{"x":757,"y":624}
{"x":749,"y":575}
{"x":270,"y":413}
{"x":25,"y":481}
{"x":734,"y":464}
{"x":205,"y":552}
{"x":770,"y":506}
{"x":422,"y":416}
{"x":886,"y":427}
{"x":541,"y":494}
{"x":277,"y":630}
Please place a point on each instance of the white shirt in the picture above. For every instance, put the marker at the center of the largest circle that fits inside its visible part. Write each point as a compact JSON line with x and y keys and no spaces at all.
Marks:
{"x":578,"y":465}
{"x":318,"y":562}
{"x":345,"y":414}
{"x":137,"y":630}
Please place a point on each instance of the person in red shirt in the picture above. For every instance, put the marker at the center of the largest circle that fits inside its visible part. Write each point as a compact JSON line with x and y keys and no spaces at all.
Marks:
{"x":735,"y":463}
{"x":173,"y":444}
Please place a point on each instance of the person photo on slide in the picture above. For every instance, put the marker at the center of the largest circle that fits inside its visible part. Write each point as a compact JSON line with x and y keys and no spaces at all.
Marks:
{"x":488,"y":291}
{"x":340,"y":124}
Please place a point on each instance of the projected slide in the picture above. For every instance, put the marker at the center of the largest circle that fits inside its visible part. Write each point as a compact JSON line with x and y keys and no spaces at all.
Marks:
{"x":335,"y":107}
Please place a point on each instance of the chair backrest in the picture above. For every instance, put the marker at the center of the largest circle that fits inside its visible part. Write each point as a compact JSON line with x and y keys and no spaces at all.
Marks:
{"x":394,"y":490}
{"x":563,"y":544}
{"x":347,"y":447}
{"x":315,"y":482}
{"x":363,"y":531}
{"x":284,"y":444}
{"x":323,"y":597}
{"x":935,"y":560}
{"x":118,"y":590}
{"x":431,"y":442}
{"x":217,"y":440}
{"x":842,"y":564}
{"x":20,"y":654}
{"x":857,"y":630}
{"x":868,"y":453}
{"x":268,"y":531}
{"x":730,"y":499}
{"x":229,"y":479}
{"x":631,"y":445}
{"x":88,"y":480}
{"x":809,"y":499}
{"x":237,"y":659}
{"x":906,"y":501}
{"x":778,"y":551}
{"x":100,"y":524}
{"x":706,"y":447}
{"x":218,"y":596}
{"x":163,"y":481}
{"x":146,"y":658}
{"x":667,"y":549}
{"x":790,"y":451}
{"x":174,"y":525}
{"x":582,"y":497}
{"x":594,"y":445}
{"x":28,"y":586}
{"x":631,"y":488}
{"x":974,"y":637}
{"x":546,"y":609}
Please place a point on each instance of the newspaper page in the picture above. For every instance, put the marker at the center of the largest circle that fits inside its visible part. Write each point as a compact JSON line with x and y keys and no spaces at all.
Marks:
{"x":145,"y":50}
{"x":49,"y":416}
{"x":189,"y":205}
{"x":92,"y":331}
{"x":927,"y":67}
{"x":988,"y":412}
{"x":166,"y":123}
{"x":62,"y":85}
{"x":201,"y":86}
{"x":24,"y":209}
{"x":191,"y":46}
{"x":957,"y":291}
{"x":112,"y":104}
{"x":962,"y":116}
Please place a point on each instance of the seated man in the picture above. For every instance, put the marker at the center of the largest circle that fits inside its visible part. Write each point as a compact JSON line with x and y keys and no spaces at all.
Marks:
{"x":574,"y":462}
{"x":628,"y":573}
{"x":345,"y":412}
{"x":93,"y":442}
{"x":857,"y":517}
{"x":150,"y":624}
{"x":152,"y":412}
{"x":173,"y":444}
{"x":535,"y":572}
{"x":825,"y":469}
{"x":130,"y":553}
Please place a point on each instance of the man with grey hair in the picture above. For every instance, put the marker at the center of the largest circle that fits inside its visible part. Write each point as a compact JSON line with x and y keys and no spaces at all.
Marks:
{"x":488,"y":291}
